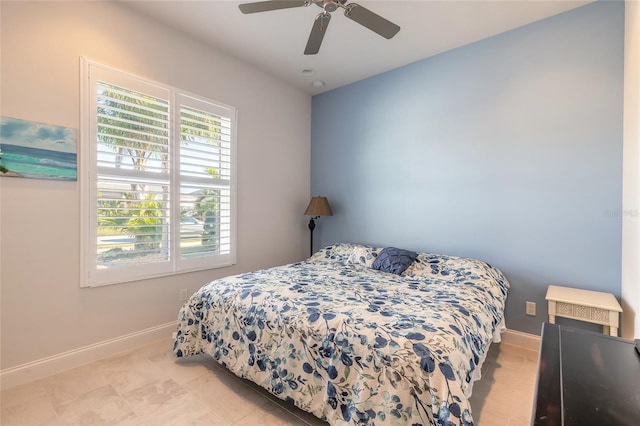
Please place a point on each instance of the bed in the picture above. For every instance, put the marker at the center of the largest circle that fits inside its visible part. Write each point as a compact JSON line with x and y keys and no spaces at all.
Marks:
{"x":350,"y":343}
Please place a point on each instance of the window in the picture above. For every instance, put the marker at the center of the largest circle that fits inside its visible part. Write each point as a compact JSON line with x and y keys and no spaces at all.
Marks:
{"x":157,"y":179}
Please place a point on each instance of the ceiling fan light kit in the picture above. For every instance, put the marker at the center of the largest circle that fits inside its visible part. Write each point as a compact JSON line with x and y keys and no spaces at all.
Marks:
{"x":353,"y":11}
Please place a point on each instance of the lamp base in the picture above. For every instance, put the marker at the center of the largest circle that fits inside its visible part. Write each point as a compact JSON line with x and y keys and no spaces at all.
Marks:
{"x":312,"y":226}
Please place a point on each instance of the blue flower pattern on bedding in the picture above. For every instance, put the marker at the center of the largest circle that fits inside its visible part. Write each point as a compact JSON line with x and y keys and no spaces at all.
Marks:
{"x":350,"y":344}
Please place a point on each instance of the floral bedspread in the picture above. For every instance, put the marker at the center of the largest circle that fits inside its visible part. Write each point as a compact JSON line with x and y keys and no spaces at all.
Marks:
{"x":351,"y":344}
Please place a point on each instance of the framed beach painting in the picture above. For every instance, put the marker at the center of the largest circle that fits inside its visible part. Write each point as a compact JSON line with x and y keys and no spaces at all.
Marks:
{"x":36,"y":150}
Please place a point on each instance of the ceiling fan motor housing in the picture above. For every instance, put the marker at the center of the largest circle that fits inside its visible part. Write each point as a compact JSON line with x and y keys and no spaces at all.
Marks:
{"x":330,"y":5}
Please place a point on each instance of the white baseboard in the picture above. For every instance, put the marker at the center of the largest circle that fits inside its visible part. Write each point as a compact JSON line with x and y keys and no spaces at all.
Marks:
{"x":45,"y":367}
{"x":523,"y":340}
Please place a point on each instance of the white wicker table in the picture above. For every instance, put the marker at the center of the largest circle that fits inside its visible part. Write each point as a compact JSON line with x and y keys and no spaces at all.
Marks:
{"x":584,"y":305}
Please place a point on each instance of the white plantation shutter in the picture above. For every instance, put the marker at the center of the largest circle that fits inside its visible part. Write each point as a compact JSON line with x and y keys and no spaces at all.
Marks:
{"x":133,"y":175}
{"x":158,"y":187}
{"x":205,"y":172}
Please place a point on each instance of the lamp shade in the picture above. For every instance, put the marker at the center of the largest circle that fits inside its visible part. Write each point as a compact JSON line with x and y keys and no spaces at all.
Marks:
{"x":318,"y":206}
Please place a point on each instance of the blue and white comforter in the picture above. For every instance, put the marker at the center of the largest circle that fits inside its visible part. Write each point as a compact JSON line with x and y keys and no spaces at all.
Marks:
{"x":350,"y":344}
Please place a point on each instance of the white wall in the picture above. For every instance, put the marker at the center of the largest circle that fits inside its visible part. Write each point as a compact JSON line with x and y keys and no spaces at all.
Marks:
{"x":631,"y":175}
{"x":44,"y":311}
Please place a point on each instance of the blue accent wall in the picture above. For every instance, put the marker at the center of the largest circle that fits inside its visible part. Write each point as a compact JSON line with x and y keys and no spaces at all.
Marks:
{"x":507,"y":150}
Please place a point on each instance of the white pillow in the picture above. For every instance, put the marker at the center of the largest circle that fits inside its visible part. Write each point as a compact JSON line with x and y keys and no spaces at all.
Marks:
{"x":363,"y":255}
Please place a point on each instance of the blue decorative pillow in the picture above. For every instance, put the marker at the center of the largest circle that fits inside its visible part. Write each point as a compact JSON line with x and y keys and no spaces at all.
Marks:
{"x":394,"y":260}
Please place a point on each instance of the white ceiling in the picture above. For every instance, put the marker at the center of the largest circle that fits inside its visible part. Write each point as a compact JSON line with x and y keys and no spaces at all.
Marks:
{"x":274,"y":41}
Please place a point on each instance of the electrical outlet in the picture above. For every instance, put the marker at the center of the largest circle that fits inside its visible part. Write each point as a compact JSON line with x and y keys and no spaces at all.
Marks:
{"x":531,"y":309}
{"x":183,"y":294}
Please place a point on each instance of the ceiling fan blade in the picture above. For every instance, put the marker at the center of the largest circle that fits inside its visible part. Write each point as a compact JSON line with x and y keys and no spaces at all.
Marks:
{"x":265,"y":6}
{"x":317,"y":33}
{"x":373,"y":21}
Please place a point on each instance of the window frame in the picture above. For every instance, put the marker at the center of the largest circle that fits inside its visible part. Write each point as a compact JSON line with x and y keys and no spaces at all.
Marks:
{"x":91,"y":275}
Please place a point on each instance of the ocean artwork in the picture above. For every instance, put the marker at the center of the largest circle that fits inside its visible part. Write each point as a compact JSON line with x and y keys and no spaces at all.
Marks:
{"x":36,"y":150}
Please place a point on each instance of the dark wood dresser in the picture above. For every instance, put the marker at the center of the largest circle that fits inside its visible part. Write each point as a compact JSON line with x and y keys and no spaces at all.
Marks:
{"x":586,"y":378}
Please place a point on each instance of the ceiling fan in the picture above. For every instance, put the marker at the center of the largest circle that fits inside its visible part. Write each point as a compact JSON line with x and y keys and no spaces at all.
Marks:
{"x":353,"y":11}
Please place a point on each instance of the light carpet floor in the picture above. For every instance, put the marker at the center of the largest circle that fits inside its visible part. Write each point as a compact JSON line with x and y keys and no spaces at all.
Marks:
{"x":147,"y":386}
